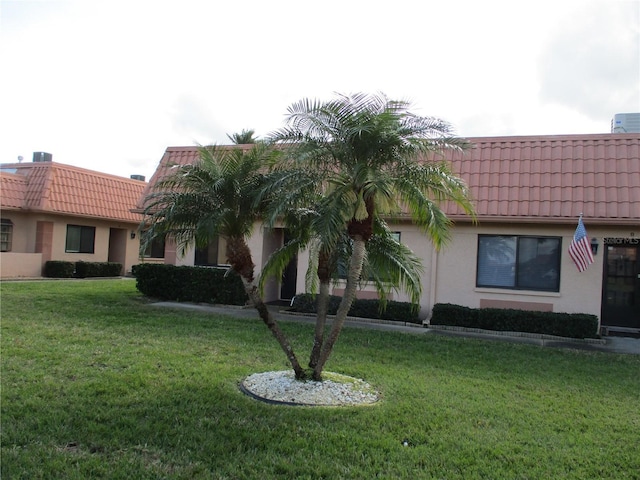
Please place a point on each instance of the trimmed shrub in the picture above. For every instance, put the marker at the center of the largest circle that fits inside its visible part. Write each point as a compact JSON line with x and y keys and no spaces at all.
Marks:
{"x":58,"y":269}
{"x":189,"y":284}
{"x":454,"y":315}
{"x":365,"y":308}
{"x":98,"y":269}
{"x":572,"y":325}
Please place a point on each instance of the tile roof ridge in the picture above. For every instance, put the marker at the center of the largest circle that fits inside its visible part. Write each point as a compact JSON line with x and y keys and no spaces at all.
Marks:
{"x":554,"y":137}
{"x":182,"y":149}
{"x":194,"y":148}
{"x":67,"y":167}
{"x":44,"y":187}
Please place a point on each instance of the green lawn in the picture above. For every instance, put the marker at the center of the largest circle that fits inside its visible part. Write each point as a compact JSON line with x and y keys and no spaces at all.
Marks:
{"x":96,"y":384}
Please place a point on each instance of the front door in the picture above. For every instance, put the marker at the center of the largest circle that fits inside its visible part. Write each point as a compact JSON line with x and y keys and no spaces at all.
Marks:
{"x":621,"y":294}
{"x":289,"y":276}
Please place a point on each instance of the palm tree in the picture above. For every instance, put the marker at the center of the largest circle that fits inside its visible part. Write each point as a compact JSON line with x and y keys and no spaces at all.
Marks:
{"x":371,"y":156}
{"x":217,"y":197}
{"x":243,"y":138}
{"x":389,"y":265}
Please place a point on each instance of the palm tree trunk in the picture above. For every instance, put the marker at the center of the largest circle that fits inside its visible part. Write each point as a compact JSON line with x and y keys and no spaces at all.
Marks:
{"x":321,"y":320}
{"x":353,"y":275}
{"x":239,"y":256}
{"x":324,"y":276}
{"x":274,"y":328}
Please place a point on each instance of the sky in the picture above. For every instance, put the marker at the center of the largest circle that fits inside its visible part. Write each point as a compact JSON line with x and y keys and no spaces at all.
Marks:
{"x":110,"y":84}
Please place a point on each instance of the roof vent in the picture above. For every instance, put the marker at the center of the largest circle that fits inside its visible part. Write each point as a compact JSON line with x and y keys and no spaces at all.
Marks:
{"x":42,"y":157}
{"x":138,"y":177}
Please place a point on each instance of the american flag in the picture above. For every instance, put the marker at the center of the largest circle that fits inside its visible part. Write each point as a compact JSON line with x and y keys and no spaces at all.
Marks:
{"x":580,"y":248}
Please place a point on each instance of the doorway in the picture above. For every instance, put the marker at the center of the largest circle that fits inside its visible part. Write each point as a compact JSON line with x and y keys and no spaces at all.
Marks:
{"x":621,"y":290}
{"x":118,"y":247}
{"x":290,"y":274}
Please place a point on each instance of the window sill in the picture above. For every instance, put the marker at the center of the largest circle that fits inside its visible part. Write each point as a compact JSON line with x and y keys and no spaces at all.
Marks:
{"x":505,"y":291}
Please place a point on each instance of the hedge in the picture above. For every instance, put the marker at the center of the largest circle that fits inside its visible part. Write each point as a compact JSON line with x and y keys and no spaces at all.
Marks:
{"x":189,"y":284}
{"x":365,"y":308}
{"x":573,"y":325}
{"x":98,"y":269}
{"x":63,"y":269}
{"x":58,"y":269}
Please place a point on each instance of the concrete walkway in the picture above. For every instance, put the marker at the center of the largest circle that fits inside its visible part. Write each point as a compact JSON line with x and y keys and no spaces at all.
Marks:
{"x":606,"y":344}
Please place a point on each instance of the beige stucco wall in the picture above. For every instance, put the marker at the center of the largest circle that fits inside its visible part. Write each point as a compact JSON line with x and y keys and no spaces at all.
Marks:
{"x":449,"y":275}
{"x":579,"y":292}
{"x":24,"y":241}
{"x":20,"y":265}
{"x":23,"y":232}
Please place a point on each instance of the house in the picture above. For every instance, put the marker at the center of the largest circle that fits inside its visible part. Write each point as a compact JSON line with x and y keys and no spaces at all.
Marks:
{"x":52,"y":211}
{"x":529,"y":193}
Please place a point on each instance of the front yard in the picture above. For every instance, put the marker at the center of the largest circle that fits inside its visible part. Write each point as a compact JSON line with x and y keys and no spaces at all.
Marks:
{"x":95,"y":384}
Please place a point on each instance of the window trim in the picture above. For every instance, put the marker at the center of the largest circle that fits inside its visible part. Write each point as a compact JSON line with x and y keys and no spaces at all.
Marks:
{"x":516,"y":287}
{"x":83,"y":240}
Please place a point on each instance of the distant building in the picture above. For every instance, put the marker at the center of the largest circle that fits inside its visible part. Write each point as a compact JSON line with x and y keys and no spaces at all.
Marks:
{"x":52,"y":211}
{"x":625,"y":123}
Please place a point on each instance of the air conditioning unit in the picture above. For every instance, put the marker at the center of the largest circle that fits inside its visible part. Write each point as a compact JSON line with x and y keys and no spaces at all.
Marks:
{"x":42,"y":157}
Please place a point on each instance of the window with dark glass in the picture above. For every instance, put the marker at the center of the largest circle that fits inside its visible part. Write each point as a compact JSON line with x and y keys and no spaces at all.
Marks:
{"x":519,"y":262}
{"x":80,"y":239}
{"x":213,"y":254}
{"x":155,"y":249}
{"x":6,"y":235}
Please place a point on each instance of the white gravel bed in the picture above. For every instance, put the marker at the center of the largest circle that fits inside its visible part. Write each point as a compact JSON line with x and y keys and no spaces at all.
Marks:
{"x":335,"y":390}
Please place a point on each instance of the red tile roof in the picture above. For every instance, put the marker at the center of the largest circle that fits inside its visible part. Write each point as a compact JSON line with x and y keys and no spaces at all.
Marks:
{"x":531,"y":178}
{"x":64,"y":189}
{"x":553,"y":178}
{"x":12,"y":189}
{"x":173,"y":156}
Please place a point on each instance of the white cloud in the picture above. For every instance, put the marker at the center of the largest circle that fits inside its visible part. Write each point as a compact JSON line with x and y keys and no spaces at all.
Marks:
{"x":592,"y":64}
{"x":110,"y":84}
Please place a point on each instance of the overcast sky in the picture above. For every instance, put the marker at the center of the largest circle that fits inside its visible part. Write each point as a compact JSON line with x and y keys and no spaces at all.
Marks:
{"x":108,"y":85}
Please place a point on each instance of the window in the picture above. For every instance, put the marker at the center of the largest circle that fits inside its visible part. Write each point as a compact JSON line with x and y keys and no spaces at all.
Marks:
{"x":213,"y":254}
{"x":6,"y":235}
{"x":155,"y":249}
{"x":519,"y":263}
{"x":80,"y":239}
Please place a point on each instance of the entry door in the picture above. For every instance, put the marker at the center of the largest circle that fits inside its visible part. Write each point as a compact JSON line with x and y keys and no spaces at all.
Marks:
{"x":621,"y":295}
{"x":290,"y":275}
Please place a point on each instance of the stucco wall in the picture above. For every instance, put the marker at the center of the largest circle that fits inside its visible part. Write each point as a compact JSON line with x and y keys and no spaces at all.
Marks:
{"x":25,"y":235}
{"x":579,"y":292}
{"x":449,"y":275}
{"x":20,"y":265}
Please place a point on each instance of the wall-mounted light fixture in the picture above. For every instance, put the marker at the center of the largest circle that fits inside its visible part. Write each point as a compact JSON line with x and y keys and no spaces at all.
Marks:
{"x":594,"y":246}
{"x":133,"y":234}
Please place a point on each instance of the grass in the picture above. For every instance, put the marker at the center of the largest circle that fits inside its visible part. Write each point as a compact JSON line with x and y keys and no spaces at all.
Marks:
{"x":96,"y":384}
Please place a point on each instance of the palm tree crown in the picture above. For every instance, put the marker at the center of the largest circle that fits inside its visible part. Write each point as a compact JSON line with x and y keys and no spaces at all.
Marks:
{"x":370,"y":152}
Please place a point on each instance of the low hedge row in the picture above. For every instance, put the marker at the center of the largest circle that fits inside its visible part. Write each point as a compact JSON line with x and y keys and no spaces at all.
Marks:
{"x":365,"y":308}
{"x":189,"y":284}
{"x":573,"y":325}
{"x":62,"y":269}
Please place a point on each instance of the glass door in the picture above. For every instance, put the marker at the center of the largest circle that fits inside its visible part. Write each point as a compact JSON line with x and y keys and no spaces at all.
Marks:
{"x":621,"y":295}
